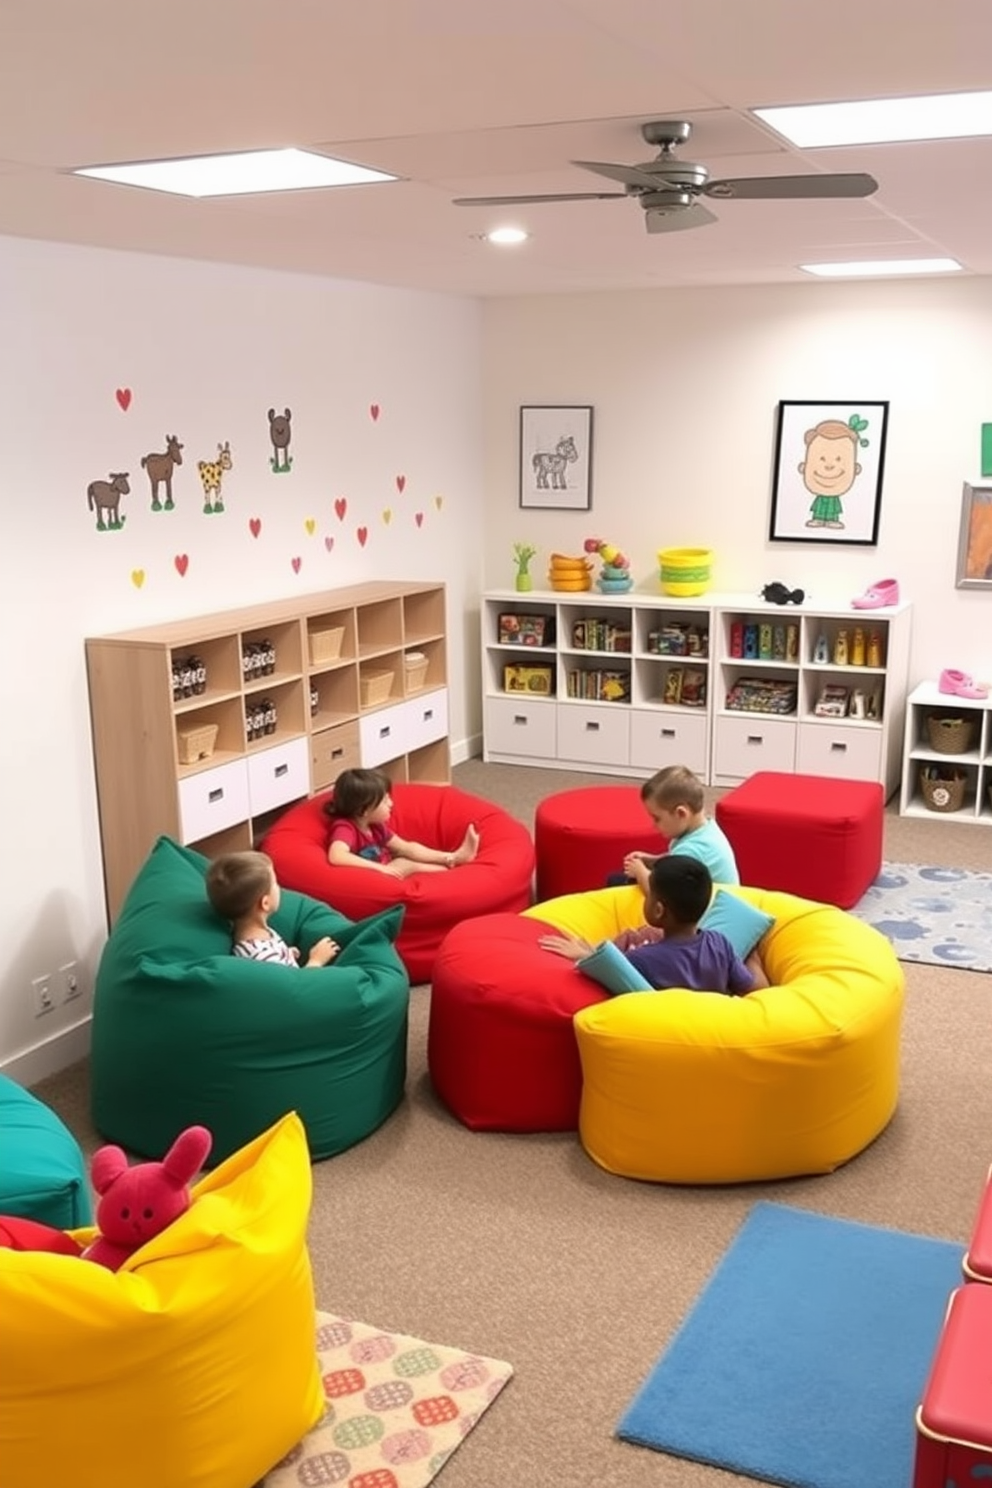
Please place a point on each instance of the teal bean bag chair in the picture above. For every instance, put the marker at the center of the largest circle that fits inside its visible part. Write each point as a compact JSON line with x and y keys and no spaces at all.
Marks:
{"x":185,"y":1033}
{"x":42,"y":1172}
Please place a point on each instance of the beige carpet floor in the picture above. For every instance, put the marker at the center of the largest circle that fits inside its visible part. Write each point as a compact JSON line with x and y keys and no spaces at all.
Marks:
{"x":519,"y":1247}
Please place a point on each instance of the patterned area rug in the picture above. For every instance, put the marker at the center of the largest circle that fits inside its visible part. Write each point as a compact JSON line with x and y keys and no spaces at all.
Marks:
{"x":397,"y":1408}
{"x":938,"y":915}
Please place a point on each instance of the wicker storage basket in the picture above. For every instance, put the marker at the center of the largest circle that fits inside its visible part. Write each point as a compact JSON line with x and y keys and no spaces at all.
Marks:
{"x":950,"y":734}
{"x":416,"y":670}
{"x":325,"y":645}
{"x":196,"y":743}
{"x":376,"y":687}
{"x":943,"y":789}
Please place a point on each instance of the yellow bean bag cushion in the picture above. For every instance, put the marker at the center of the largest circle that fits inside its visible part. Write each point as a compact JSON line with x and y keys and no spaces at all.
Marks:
{"x":690,"y":1087}
{"x":194,"y":1365}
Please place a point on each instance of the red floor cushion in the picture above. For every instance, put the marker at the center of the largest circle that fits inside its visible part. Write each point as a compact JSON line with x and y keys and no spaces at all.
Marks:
{"x":807,"y":835}
{"x":498,"y":880}
{"x":582,"y":836}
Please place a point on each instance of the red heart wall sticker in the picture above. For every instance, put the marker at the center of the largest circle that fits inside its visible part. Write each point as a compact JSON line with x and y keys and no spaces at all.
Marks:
{"x":340,"y":507}
{"x":123,"y":396}
{"x":181,"y":561}
{"x":362,"y":535}
{"x":419,"y":519}
{"x":374,"y":411}
{"x":254,"y":525}
{"x":329,"y":543}
{"x":400,"y":483}
{"x":297,"y":564}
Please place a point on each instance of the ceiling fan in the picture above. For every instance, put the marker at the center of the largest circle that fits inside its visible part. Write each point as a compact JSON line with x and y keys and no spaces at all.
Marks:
{"x":668,"y":188}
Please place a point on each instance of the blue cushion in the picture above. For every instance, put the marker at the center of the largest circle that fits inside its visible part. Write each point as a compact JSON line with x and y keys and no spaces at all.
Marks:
{"x":610,"y":968}
{"x":740,"y":922}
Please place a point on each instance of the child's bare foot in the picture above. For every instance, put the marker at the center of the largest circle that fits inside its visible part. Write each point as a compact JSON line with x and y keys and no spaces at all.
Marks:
{"x":470,"y":845}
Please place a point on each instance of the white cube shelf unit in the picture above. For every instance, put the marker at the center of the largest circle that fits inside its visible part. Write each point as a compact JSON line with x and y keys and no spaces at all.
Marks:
{"x":603,"y":690}
{"x":973,"y":760}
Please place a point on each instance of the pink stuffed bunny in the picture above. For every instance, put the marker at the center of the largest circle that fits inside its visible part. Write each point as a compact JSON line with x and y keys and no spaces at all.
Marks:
{"x":136,"y":1204}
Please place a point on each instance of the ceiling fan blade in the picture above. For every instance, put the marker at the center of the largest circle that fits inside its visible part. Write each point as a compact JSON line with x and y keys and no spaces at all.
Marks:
{"x":511,"y":201}
{"x":754,"y":188}
{"x":629,"y":175}
{"x":694,"y":216}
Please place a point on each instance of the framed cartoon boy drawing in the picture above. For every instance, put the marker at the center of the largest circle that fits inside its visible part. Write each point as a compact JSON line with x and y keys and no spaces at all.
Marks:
{"x":827,"y":480}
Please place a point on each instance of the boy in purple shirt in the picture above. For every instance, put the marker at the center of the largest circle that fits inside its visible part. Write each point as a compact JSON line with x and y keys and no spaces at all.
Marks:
{"x":676,"y":898}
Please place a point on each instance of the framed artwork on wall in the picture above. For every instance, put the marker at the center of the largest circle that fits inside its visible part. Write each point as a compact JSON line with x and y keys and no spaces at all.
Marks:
{"x":975,"y":538}
{"x":827,"y":476}
{"x":556,"y":457}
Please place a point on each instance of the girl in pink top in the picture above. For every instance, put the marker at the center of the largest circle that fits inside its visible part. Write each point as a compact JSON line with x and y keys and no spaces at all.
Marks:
{"x":361,"y":836}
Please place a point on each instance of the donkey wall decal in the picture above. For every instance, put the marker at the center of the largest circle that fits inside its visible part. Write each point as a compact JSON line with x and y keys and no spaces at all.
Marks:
{"x":159,"y":467}
{"x":105,"y":496}
{"x":550,"y":467}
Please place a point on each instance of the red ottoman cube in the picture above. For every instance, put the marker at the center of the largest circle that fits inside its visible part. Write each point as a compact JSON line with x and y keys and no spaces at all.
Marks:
{"x":581,"y":836}
{"x":501,"y":1048}
{"x":954,"y":1420}
{"x":807,"y":835}
{"x":977,"y":1263}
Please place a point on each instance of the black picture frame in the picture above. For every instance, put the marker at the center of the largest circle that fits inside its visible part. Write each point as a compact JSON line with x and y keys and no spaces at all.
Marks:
{"x":556,"y":456}
{"x":833,"y":495}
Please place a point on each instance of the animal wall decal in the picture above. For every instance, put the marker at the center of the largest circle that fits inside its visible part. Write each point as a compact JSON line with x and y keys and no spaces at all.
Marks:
{"x":212,"y":476}
{"x":105,"y":496}
{"x":280,"y":433}
{"x":159,"y":467}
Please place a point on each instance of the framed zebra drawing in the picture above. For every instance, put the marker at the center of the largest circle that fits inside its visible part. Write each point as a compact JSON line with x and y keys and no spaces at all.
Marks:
{"x":556,"y":457}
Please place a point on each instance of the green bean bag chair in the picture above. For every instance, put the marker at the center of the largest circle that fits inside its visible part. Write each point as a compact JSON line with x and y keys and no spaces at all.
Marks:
{"x":42,"y":1173}
{"x":185,"y":1033}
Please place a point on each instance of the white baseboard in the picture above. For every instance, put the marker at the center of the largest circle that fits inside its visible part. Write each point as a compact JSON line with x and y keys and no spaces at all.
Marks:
{"x":467,"y":749}
{"x":56,"y":1053}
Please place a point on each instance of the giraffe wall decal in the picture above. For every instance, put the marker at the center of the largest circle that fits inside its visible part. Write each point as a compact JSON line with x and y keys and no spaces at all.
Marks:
{"x":212,"y":475}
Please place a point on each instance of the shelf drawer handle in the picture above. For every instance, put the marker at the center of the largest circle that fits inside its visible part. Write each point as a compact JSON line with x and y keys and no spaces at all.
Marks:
{"x":427,"y":715}
{"x":756,"y":738}
{"x":217,"y":794}
{"x":668,"y":733}
{"x":281,"y":770}
{"x":520,"y":718}
{"x":591,"y":727}
{"x":838,"y":745}
{"x":385,"y":732}
{"x":337,"y":753}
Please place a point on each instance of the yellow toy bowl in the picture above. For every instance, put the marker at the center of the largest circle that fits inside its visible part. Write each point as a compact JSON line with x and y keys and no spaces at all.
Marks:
{"x":685,"y":571}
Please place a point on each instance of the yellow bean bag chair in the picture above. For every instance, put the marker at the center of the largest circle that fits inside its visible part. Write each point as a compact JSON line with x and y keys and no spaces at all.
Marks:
{"x":195,"y":1365}
{"x":690,"y":1087}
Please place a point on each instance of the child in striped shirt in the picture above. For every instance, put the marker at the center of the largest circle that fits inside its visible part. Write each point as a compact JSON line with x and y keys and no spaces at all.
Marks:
{"x":242,"y":888}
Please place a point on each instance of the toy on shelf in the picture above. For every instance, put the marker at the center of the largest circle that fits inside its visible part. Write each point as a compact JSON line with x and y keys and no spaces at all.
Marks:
{"x":523,"y":553}
{"x":138,"y":1203}
{"x":614,"y":576}
{"x":780,"y":594}
{"x":570,"y":575}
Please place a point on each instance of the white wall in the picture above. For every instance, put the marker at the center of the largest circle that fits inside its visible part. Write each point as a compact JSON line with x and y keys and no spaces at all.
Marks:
{"x":206,"y":350}
{"x":685,"y":385}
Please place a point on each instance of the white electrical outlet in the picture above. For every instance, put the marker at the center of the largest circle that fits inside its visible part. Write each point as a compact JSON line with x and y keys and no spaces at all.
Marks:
{"x":41,"y":994}
{"x":70,"y":980}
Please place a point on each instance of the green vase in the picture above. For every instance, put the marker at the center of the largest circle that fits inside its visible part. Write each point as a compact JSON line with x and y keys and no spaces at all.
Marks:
{"x":524,"y":582}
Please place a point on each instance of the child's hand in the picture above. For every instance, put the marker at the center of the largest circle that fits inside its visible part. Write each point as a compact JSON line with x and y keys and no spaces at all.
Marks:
{"x":323,"y":952}
{"x":294,"y":951}
{"x":566,"y":945}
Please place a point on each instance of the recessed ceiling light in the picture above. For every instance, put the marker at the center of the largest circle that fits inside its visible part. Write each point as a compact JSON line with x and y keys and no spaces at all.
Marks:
{"x":882,"y":266}
{"x":875,"y":121}
{"x":507,"y":235}
{"x":233,"y":175}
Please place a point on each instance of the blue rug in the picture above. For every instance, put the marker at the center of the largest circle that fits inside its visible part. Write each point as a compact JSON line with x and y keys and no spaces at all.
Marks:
{"x":938,"y":915}
{"x":804,"y":1358}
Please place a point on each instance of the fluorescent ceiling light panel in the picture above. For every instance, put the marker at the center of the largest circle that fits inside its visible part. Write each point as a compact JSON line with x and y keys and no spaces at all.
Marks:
{"x":877,"y":121}
{"x":236,"y":175}
{"x":882,"y":266}
{"x":507,"y":235}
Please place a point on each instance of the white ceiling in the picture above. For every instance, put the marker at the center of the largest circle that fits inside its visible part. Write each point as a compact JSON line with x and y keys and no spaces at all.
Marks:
{"x":486,"y":97}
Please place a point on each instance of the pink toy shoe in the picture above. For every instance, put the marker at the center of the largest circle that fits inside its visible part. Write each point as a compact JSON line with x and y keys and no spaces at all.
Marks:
{"x":959,"y":684}
{"x":879,"y":596}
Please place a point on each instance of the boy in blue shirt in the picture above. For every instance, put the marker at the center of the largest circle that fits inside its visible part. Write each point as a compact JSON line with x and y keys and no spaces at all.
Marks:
{"x":675,"y":802}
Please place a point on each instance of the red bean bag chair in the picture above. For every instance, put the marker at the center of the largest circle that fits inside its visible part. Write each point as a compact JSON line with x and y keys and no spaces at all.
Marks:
{"x":498,"y":880}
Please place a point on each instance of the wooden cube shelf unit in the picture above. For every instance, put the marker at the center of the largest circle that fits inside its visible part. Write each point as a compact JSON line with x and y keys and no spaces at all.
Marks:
{"x":207,"y":729}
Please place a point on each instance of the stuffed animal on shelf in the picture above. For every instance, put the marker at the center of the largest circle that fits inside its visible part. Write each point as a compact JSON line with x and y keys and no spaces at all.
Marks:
{"x":138,"y":1203}
{"x":780,"y":594}
{"x":614,"y":576}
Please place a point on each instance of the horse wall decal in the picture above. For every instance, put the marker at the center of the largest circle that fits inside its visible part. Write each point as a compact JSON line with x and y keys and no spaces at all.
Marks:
{"x":105,"y":496}
{"x":159,"y":467}
{"x":550,"y":467}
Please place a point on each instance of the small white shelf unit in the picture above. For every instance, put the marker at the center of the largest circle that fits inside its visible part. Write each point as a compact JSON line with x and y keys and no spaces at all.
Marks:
{"x":644,"y":728}
{"x":924,"y":702}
